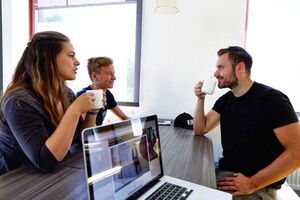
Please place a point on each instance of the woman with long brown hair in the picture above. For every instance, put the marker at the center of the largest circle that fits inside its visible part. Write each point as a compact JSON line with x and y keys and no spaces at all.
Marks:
{"x":40,"y":117}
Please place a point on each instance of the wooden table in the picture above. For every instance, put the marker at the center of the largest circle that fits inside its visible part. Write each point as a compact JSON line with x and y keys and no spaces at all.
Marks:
{"x":184,"y":156}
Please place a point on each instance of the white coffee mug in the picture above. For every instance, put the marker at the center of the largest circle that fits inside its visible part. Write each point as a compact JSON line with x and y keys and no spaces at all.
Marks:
{"x":98,"y":103}
{"x":209,"y":85}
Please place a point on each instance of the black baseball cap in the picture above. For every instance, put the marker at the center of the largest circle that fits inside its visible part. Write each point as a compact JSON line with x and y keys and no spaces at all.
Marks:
{"x":184,"y":120}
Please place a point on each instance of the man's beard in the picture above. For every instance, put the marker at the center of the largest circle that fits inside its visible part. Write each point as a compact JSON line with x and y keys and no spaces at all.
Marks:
{"x":230,"y":82}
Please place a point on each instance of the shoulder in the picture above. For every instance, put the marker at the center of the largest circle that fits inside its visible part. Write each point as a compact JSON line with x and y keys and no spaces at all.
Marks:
{"x":20,"y":100}
{"x":111,"y":102}
{"x":108,"y":93}
{"x":223,"y":100}
{"x":20,"y":96}
{"x":109,"y":96}
{"x":259,"y":87}
{"x":83,"y":90}
{"x":277,"y":107}
{"x":71,"y":94}
{"x":269,"y":93}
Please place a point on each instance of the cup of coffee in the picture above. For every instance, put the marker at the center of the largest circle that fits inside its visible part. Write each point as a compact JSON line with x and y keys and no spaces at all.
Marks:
{"x":98,"y":103}
{"x":209,"y":85}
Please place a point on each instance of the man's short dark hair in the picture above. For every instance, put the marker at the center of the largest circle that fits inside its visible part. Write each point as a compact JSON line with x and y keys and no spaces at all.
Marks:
{"x":236,"y":55}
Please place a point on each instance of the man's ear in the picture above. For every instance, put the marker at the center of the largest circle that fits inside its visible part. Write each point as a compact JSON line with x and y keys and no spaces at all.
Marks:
{"x":93,"y":75}
{"x":240,"y":68}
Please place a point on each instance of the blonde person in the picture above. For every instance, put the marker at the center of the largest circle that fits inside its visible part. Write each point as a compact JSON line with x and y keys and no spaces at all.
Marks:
{"x":102,"y":74}
{"x":40,"y":117}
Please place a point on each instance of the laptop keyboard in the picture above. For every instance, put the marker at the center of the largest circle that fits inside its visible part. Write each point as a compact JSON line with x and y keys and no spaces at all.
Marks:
{"x":170,"y":191}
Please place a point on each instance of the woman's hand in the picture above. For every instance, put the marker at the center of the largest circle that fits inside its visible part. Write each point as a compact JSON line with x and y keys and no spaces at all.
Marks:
{"x":60,"y":141}
{"x":83,"y":103}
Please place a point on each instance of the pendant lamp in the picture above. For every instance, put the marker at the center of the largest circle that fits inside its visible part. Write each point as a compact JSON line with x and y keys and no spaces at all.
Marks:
{"x":166,"y":6}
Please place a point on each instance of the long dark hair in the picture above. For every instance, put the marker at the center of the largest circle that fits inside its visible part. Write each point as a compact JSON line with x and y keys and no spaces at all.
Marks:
{"x":37,"y":71}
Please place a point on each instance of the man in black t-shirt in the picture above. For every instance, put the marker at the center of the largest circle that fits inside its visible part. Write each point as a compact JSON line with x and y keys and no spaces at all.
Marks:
{"x":260,"y":131}
{"x":102,"y":75}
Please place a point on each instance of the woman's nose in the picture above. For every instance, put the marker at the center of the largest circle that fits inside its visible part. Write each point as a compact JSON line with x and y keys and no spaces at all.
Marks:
{"x":77,"y":62}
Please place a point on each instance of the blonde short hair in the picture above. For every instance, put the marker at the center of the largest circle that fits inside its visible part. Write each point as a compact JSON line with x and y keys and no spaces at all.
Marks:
{"x":95,"y":64}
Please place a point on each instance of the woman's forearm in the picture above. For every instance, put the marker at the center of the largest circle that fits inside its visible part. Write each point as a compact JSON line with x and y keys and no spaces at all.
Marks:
{"x":60,"y":141}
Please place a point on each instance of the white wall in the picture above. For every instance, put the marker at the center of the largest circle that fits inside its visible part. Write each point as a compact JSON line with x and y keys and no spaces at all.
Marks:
{"x":177,"y":51}
{"x":15,"y":22}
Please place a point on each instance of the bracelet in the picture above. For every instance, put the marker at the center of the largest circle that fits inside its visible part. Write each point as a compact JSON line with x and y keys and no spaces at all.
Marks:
{"x":92,"y":112}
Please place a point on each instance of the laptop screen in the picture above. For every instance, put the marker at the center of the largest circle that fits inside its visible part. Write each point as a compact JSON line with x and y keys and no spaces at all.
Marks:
{"x":122,"y":158}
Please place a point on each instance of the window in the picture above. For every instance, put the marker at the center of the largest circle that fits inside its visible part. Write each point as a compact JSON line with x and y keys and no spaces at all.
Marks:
{"x":98,"y":28}
{"x":273,"y":41}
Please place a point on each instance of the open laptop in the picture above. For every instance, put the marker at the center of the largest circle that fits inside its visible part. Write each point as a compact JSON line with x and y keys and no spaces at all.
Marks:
{"x":123,"y":161}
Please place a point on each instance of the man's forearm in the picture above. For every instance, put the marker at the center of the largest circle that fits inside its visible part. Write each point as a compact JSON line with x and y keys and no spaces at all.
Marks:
{"x":277,"y":170}
{"x":199,"y":118}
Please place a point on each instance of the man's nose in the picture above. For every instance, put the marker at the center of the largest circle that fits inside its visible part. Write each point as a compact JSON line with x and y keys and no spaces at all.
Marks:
{"x":216,"y":73}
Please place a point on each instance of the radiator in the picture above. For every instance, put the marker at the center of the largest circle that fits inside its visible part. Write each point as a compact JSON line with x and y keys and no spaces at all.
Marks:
{"x":294,"y":180}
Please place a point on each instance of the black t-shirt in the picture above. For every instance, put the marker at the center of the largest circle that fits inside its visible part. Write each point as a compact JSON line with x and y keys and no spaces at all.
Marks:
{"x":247,"y":123}
{"x":110,"y":101}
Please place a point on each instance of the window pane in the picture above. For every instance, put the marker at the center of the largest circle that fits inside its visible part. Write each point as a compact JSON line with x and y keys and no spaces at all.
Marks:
{"x":80,"y":2}
{"x":99,"y":30}
{"x":273,"y":41}
{"x":49,"y":3}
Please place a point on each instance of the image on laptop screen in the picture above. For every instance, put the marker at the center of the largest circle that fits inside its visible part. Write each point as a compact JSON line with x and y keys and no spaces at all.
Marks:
{"x":121,"y":158}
